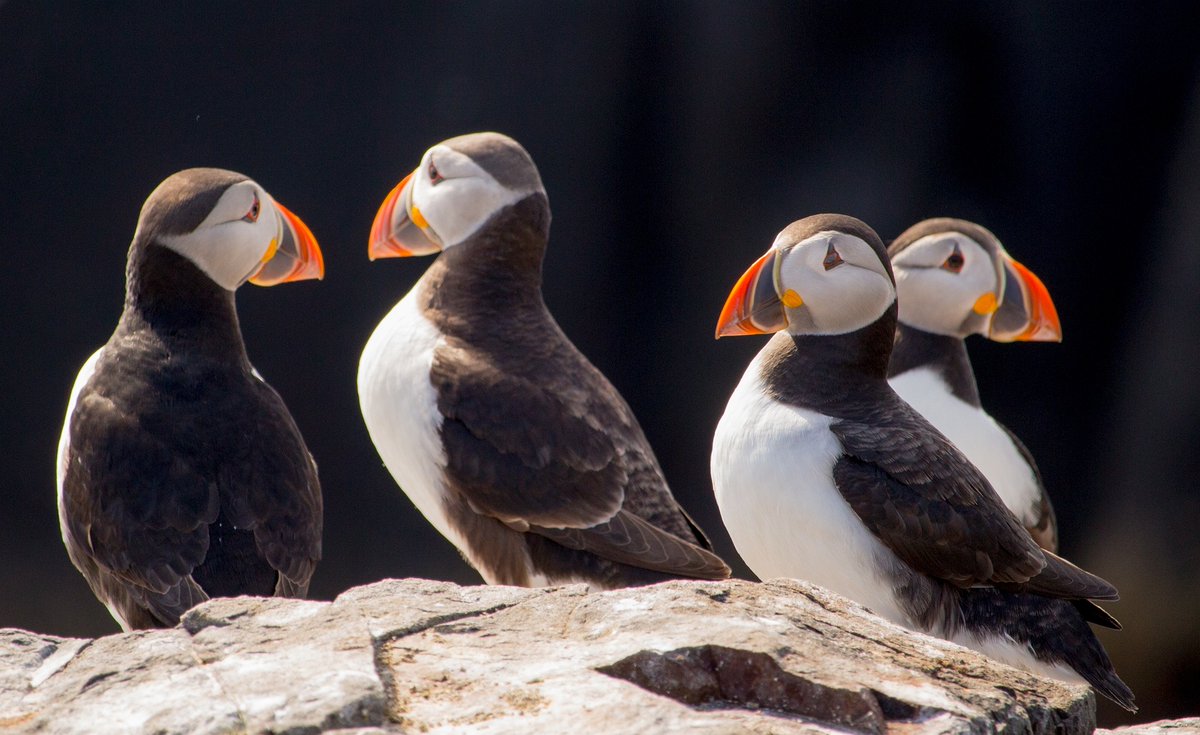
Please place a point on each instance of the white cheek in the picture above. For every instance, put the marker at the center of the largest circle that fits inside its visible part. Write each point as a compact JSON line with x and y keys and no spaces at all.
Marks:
{"x":933,"y":299}
{"x":849,"y":299}
{"x":845,"y":298}
{"x":229,"y":252}
{"x":938,"y":301}
{"x":456,"y":208}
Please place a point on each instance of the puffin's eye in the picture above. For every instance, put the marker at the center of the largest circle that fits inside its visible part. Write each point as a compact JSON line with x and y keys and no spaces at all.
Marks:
{"x":832,"y":258}
{"x":255,"y":208}
{"x":435,"y":176}
{"x":954,"y":263}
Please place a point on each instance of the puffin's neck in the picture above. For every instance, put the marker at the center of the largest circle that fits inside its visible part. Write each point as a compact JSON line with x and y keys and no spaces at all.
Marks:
{"x":831,"y":373}
{"x":945,"y":355}
{"x":167,"y":294}
{"x":498,"y":271}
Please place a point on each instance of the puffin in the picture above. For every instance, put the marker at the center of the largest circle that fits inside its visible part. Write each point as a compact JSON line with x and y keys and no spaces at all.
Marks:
{"x":954,"y":279}
{"x":181,"y":474}
{"x":822,"y":472}
{"x":502,"y":434}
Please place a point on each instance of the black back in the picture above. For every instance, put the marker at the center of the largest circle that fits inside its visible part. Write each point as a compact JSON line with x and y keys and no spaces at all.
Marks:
{"x":186,"y":476}
{"x":538,"y":442}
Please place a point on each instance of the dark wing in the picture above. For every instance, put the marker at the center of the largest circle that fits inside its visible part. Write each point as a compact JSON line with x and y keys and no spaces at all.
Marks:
{"x":143,"y":536}
{"x":1045,"y":527}
{"x":269,"y":485}
{"x":152,"y":467}
{"x":630,"y":540}
{"x":1061,"y":578}
{"x":561,"y":455}
{"x":932,"y":507}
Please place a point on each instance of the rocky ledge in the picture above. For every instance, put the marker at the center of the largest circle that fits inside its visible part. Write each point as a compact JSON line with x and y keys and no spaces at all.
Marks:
{"x":409,"y":656}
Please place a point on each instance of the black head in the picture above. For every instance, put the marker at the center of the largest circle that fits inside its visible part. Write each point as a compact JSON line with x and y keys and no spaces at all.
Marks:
{"x":228,"y":227}
{"x":461,"y":187}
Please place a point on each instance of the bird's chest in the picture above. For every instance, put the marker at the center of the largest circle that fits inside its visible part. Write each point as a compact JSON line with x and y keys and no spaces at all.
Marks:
{"x":772,"y":468}
{"x":399,"y":407}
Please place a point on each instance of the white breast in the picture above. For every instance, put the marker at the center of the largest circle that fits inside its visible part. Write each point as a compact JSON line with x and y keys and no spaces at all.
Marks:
{"x":977,"y":435}
{"x":399,"y":407}
{"x":772,"y":470}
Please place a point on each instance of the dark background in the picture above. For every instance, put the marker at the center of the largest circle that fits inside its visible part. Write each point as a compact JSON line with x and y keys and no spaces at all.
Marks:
{"x":675,"y":140}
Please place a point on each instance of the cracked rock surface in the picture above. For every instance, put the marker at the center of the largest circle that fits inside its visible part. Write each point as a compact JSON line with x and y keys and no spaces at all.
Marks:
{"x":409,"y":656}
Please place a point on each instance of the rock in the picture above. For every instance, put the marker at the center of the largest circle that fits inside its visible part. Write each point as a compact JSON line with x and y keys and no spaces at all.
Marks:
{"x":419,"y":656}
{"x":1187,"y":726}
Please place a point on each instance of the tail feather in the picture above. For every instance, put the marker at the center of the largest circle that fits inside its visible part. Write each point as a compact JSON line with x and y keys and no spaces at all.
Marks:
{"x":1095,"y":614}
{"x":1050,"y":631}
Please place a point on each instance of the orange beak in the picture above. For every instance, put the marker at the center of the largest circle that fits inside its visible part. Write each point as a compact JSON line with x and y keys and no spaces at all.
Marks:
{"x":399,"y":230}
{"x":754,"y":306}
{"x":1026,"y":313}
{"x":294,"y":255}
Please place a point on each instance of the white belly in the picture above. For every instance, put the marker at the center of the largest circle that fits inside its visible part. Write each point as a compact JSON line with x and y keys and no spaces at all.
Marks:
{"x":399,"y":407}
{"x":977,"y":435}
{"x":772,"y":473}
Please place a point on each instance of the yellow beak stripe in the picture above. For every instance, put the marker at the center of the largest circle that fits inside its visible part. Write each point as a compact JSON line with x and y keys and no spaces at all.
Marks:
{"x":271,"y":250}
{"x":986,"y":304}
{"x":419,"y":219}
